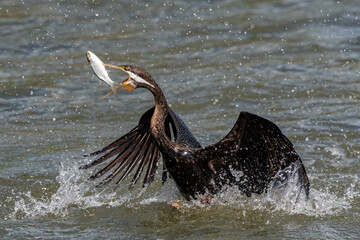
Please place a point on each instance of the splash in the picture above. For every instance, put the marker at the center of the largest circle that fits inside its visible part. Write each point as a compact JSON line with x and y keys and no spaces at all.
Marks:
{"x":74,"y":192}
{"x":288,"y":200}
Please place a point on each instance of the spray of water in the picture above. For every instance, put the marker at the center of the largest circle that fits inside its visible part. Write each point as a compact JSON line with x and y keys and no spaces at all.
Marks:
{"x":75,"y":192}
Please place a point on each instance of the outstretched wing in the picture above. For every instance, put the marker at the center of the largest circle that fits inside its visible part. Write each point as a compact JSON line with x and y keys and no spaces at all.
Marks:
{"x":258,"y":151}
{"x":138,"y":148}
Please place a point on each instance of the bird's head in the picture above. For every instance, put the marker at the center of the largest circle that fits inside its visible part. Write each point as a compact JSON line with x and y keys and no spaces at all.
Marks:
{"x":137,"y":78}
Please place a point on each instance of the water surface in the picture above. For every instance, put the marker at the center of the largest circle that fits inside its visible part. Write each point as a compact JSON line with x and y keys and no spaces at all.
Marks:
{"x":293,"y":62}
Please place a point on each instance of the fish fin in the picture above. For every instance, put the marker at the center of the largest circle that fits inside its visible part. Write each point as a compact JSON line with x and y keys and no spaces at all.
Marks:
{"x":107,"y":95}
{"x":114,"y":87}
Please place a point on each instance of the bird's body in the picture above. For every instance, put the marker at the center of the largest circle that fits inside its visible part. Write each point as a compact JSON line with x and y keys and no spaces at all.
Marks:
{"x":253,"y":155}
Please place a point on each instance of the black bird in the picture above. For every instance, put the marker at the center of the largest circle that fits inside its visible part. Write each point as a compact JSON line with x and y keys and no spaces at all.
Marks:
{"x":253,"y":156}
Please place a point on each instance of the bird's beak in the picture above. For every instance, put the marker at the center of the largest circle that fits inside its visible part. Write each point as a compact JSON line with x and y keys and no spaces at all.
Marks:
{"x":125,"y":84}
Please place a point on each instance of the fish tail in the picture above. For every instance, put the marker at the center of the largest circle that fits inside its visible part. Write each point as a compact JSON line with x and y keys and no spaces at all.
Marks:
{"x":115,"y":86}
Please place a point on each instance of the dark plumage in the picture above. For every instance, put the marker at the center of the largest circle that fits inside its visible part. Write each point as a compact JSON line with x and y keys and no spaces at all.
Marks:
{"x":252,"y":155}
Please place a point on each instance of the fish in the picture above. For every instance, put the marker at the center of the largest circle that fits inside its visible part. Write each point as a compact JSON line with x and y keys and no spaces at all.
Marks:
{"x":99,"y":70}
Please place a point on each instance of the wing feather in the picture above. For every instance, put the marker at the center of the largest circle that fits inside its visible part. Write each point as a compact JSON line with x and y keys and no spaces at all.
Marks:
{"x":135,"y":159}
{"x":116,"y":149}
{"x":257,"y":149}
{"x":137,"y":148}
{"x":152,"y":166}
{"x":126,"y":158}
{"x":121,"y":158}
{"x":117,"y":142}
{"x":142,"y":164}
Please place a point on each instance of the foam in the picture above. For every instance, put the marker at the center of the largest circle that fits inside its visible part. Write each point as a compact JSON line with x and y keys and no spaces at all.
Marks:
{"x":76,"y":192}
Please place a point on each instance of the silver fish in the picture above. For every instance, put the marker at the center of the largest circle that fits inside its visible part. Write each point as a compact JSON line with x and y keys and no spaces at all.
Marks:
{"x":99,"y":70}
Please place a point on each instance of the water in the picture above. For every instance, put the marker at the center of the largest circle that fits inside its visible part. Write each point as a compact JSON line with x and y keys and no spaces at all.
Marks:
{"x":293,"y":62}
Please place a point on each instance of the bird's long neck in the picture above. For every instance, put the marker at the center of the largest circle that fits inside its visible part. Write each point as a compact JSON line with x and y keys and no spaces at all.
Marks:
{"x":158,"y":122}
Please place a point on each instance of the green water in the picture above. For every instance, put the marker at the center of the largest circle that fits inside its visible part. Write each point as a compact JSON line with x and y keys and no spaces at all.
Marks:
{"x":293,"y":62}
